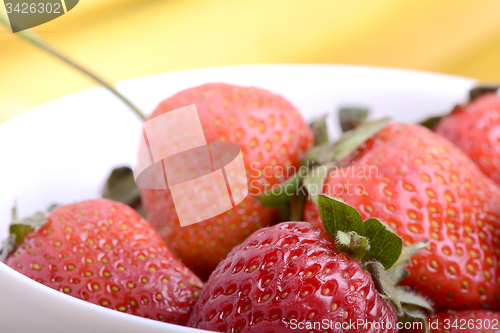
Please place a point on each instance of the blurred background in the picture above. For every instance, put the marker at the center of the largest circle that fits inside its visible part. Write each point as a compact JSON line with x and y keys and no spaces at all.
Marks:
{"x":123,"y":39}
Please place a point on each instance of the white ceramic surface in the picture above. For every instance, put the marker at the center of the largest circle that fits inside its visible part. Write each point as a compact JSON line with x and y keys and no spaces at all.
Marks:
{"x":62,"y":151}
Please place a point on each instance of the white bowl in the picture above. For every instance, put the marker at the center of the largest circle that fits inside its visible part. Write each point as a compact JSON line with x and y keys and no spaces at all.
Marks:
{"x":62,"y":152}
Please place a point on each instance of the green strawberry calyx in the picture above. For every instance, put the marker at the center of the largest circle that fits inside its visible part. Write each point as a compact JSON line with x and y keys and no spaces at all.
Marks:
{"x":120,"y":186}
{"x":476,"y":92}
{"x":380,"y":252}
{"x":19,"y":228}
{"x":352,"y":117}
{"x":483,"y":89}
{"x":318,"y":161}
{"x":319,"y":129}
{"x":354,"y":245}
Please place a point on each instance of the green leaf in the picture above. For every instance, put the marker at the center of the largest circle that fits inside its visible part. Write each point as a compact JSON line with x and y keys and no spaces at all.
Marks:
{"x":19,"y":228}
{"x":385,"y":245}
{"x":384,"y":284}
{"x":347,"y":144}
{"x":354,"y":139}
{"x":314,"y":181}
{"x":352,"y":243}
{"x":19,"y":231}
{"x":325,"y":155}
{"x":410,"y":299}
{"x":320,"y":131}
{"x":319,"y":155}
{"x":398,"y":271}
{"x":483,"y":89}
{"x":7,"y":246}
{"x":35,"y":221}
{"x":431,"y":122}
{"x":339,"y":216}
{"x":120,"y":186}
{"x":23,"y":226}
{"x":350,"y":118}
{"x":414,"y":315}
{"x":283,"y":193}
{"x":413,"y":312}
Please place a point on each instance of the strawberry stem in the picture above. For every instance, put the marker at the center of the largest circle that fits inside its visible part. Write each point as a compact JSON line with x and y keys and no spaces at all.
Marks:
{"x":14,"y":212}
{"x":353,"y":244}
{"x":297,"y":206}
{"x":377,"y":249}
{"x":40,"y":43}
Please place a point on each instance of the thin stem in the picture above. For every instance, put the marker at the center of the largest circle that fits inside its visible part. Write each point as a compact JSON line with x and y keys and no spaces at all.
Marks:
{"x":37,"y":41}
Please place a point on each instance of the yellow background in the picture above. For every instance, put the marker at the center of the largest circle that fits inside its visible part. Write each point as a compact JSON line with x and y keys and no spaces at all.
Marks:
{"x":122,"y":39}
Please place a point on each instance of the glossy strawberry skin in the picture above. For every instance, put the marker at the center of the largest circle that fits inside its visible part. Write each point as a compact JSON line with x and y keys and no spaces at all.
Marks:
{"x":269,"y":130}
{"x":203,"y":245}
{"x":291,"y":271}
{"x":103,"y":252}
{"x":470,"y":321}
{"x":475,"y":128}
{"x":423,"y":187}
{"x":270,"y":133}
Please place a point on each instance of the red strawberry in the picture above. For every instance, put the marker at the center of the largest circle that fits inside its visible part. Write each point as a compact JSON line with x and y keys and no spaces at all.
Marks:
{"x":292,"y":276}
{"x":469,"y":321}
{"x":426,"y":188}
{"x":103,"y":252}
{"x":271,"y":134}
{"x":475,"y":128}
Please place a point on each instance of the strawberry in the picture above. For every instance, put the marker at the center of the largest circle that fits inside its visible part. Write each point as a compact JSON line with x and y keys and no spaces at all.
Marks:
{"x":470,"y":321}
{"x":271,"y":135}
{"x":426,"y":188}
{"x":475,"y":128}
{"x":293,"y":276}
{"x":103,"y":252}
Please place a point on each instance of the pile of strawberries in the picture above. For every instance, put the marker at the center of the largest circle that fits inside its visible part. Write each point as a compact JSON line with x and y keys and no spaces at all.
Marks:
{"x":404,"y":230}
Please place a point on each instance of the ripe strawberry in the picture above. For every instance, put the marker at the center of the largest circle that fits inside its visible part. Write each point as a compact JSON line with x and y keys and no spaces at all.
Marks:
{"x":271,"y":135}
{"x":475,"y":128}
{"x":292,"y":276}
{"x":470,"y":321}
{"x":426,"y":188}
{"x":103,"y":252}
